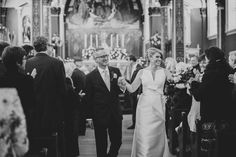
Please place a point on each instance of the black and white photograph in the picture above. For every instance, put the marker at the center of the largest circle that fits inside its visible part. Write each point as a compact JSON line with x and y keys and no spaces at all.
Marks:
{"x":117,"y":78}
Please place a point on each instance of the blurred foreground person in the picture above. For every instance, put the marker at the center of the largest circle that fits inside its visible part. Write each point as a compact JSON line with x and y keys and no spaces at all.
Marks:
{"x":13,"y":139}
{"x":14,"y":60}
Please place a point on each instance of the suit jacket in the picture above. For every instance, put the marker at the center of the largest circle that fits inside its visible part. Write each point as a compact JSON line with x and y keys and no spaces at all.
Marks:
{"x":50,"y":90}
{"x":102,"y":103}
{"x":78,"y":78}
{"x":2,"y":68}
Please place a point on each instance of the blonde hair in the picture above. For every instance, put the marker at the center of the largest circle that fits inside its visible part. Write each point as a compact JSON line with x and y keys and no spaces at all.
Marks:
{"x":152,"y":50}
{"x":170,"y":63}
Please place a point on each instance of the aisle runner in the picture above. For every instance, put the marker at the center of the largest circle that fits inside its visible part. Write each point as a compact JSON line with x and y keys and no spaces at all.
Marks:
{"x":87,"y":143}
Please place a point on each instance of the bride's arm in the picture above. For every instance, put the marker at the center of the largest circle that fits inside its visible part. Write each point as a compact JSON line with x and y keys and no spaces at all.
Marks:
{"x":136,"y":83}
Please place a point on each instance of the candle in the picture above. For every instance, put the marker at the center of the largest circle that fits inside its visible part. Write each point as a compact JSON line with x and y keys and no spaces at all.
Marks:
{"x":111,"y":40}
{"x":91,"y":40}
{"x":96,"y":40}
{"x":123,"y":41}
{"x":85,"y":41}
{"x":117,"y":40}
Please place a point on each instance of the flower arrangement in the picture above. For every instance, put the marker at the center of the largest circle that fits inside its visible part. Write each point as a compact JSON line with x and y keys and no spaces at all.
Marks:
{"x":118,"y":54}
{"x":87,"y":53}
{"x":155,"y":41}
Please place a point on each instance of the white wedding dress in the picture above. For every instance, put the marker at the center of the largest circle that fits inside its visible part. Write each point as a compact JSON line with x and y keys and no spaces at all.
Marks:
{"x":150,"y":138}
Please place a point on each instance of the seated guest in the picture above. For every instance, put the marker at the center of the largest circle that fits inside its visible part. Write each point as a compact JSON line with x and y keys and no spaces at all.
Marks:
{"x":214,"y":92}
{"x":2,"y":67}
{"x":13,"y":139}
{"x":14,"y":60}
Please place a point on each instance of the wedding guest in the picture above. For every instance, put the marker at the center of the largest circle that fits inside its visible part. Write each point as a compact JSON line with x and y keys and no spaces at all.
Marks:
{"x":78,"y":78}
{"x":50,"y":90}
{"x":232,"y":60}
{"x":170,"y":64}
{"x":214,"y":91}
{"x":150,"y":134}
{"x":29,"y":50}
{"x":132,"y":71}
{"x":14,"y":60}
{"x":102,"y":98}
{"x":2,"y":67}
{"x":72,"y":114}
{"x":13,"y":139}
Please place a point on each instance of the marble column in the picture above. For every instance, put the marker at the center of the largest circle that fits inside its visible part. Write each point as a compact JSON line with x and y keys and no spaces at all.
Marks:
{"x":178,"y":30}
{"x":85,"y":41}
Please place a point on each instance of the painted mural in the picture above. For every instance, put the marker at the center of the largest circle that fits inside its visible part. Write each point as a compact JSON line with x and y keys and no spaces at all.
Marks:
{"x":104,"y":23}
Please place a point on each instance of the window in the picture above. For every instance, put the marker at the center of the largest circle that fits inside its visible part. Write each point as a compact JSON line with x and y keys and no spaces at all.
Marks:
{"x":230,"y":16}
{"x":212,"y":19}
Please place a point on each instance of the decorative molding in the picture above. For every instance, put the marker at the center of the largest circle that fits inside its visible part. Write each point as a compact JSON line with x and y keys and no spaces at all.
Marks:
{"x":36,"y":9}
{"x":164,"y":2}
{"x":179,"y":30}
{"x":220,"y":3}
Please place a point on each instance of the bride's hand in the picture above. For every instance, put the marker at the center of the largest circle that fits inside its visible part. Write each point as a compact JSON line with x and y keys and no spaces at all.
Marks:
{"x":121,"y":81}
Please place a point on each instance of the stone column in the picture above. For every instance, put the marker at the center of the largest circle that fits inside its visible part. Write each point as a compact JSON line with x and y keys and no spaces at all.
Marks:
{"x":220,"y":24}
{"x":178,"y":30}
{"x":146,"y":31}
{"x":165,"y":23}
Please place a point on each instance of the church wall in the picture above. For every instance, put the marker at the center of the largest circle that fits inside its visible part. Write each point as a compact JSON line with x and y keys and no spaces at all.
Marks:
{"x":196,"y":28}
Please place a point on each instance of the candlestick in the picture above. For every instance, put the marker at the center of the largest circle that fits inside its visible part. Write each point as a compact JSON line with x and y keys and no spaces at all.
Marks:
{"x":97,"y":40}
{"x":91,"y":40}
{"x":111,"y":41}
{"x":85,"y":41}
{"x":117,"y":40}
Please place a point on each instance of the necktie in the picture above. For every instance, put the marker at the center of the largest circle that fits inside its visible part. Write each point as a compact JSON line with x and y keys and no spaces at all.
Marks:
{"x":107,"y":79}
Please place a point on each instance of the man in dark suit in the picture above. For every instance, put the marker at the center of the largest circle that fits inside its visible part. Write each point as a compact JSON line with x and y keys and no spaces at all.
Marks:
{"x":49,"y":85}
{"x":132,"y":71}
{"x":101,"y":96}
{"x":78,"y":78}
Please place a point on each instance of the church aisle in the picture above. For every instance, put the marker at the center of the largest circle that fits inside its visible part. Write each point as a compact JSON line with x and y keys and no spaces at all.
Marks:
{"x":87,"y":143}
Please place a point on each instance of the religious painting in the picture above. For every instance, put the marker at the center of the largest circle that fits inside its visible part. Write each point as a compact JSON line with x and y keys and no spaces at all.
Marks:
{"x":104,"y":13}
{"x":26,"y":25}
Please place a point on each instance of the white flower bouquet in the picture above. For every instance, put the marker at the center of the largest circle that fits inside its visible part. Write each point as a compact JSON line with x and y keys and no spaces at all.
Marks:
{"x":88,"y":53}
{"x":118,"y":54}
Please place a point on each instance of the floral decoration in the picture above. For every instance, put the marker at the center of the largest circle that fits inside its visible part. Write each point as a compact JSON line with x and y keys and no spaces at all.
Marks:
{"x":118,"y":54}
{"x":12,"y":124}
{"x":155,"y":41}
{"x":88,"y":53}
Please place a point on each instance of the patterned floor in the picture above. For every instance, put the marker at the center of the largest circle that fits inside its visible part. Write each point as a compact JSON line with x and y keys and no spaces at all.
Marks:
{"x":87,"y":143}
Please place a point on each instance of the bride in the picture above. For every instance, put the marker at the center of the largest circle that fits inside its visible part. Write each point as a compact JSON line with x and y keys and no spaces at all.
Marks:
{"x":150,"y":138}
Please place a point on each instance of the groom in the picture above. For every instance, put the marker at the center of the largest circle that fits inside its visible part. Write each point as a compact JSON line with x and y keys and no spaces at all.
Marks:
{"x":103,"y":105}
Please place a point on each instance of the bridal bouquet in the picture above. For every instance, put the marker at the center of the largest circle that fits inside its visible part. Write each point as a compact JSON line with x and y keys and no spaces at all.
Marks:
{"x":87,"y":53}
{"x":182,"y":75}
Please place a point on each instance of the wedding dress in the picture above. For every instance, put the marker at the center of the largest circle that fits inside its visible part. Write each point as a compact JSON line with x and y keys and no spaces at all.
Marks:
{"x":150,"y":138}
